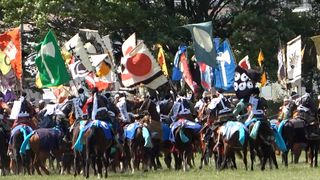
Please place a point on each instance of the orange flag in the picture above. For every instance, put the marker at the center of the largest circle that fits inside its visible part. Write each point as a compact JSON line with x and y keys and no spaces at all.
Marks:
{"x":263,"y":80}
{"x":10,"y":44}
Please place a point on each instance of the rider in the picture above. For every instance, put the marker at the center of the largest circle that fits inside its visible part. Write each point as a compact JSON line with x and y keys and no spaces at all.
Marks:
{"x":257,"y":106}
{"x":220,"y":108}
{"x":181,"y":108}
{"x":122,"y":106}
{"x":26,"y":112}
{"x":306,"y":107}
{"x":4,"y":111}
{"x":83,"y":98}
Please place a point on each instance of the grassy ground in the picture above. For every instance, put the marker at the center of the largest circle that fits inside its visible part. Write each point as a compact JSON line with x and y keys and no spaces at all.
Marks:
{"x":299,"y":171}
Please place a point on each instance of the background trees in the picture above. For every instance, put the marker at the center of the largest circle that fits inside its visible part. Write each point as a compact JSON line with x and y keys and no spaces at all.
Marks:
{"x":250,"y":25}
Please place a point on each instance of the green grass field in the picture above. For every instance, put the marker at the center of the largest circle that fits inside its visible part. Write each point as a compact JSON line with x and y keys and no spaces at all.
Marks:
{"x":299,"y":171}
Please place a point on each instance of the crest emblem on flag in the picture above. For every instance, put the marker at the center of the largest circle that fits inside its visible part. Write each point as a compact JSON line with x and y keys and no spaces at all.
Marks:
{"x":245,"y":82}
{"x":294,"y":57}
{"x":10,"y":43}
{"x":205,"y":50}
{"x":224,"y":72}
{"x":140,"y":67}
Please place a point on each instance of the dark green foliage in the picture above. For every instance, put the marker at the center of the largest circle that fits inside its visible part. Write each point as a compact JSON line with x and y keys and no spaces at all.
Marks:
{"x":250,"y":25}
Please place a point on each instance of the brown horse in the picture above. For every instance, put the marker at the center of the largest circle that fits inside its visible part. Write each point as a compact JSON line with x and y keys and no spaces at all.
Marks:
{"x":45,"y":142}
{"x":96,"y":146}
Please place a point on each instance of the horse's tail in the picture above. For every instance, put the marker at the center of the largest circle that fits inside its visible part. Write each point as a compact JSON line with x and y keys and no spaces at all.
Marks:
{"x":25,"y":143}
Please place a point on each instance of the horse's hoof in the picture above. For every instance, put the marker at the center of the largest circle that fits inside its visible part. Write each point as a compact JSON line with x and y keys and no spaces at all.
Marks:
{"x":99,"y":176}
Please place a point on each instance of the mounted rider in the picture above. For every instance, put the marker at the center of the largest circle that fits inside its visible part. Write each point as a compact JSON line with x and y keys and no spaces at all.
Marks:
{"x":25,"y":112}
{"x":306,"y":108}
{"x":121,"y":104}
{"x":257,"y":106}
{"x":220,"y":108}
{"x":4,"y":111}
{"x":182,"y":109}
{"x":306,"y":111}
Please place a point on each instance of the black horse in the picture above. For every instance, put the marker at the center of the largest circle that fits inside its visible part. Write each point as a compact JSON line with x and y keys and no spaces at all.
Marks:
{"x":263,"y":144}
{"x":4,"y":158}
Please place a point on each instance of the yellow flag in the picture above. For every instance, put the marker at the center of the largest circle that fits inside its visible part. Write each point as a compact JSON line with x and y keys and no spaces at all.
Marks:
{"x":162,"y":60}
{"x":260,"y":58}
{"x":4,"y":64}
{"x":103,"y":70}
{"x":38,"y":81}
{"x":263,"y":80}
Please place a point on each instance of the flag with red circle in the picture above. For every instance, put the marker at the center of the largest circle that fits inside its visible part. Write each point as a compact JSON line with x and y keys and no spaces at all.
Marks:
{"x":140,"y":67}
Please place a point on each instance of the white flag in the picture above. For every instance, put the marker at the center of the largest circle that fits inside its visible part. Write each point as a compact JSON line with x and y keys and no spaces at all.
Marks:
{"x":294,"y":60}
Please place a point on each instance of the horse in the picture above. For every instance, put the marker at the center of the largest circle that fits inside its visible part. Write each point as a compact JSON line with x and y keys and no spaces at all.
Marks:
{"x":20,"y":129}
{"x":45,"y":142}
{"x":155,"y":127}
{"x":136,"y":149}
{"x":184,"y":144}
{"x":262,"y":142}
{"x":296,"y":134}
{"x":96,"y":150}
{"x":96,"y":144}
{"x":4,"y":158}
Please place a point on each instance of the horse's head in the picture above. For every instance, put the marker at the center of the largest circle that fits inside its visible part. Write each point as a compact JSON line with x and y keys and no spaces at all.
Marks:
{"x":67,"y":108}
{"x":151,"y":107}
{"x":27,"y":108}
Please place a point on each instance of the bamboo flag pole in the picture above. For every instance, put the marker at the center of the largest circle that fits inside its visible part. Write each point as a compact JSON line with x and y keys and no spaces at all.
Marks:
{"x":21,"y":47}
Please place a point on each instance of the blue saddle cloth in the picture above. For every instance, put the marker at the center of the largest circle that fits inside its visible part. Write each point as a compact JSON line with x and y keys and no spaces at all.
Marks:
{"x":22,"y":128}
{"x":165,"y":132}
{"x":186,"y":124}
{"x":281,"y":125}
{"x":130,"y":130}
{"x":232,"y":127}
{"x":278,"y":137}
{"x":97,"y":123}
{"x":49,"y":138}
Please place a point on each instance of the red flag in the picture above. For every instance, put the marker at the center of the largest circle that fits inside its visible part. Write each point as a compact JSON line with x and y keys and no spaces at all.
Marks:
{"x":244,"y":63}
{"x":186,"y":72}
{"x":94,"y":81}
{"x":10,"y":44}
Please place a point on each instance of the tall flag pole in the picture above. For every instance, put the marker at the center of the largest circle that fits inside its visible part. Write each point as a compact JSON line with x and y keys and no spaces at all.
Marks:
{"x":21,"y":47}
